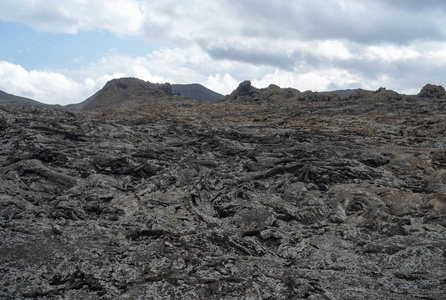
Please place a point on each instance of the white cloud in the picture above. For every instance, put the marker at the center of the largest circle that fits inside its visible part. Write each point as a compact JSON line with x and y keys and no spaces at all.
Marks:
{"x":43,"y":86}
{"x":390,"y":53}
{"x":193,"y":20}
{"x":313,"y":79}
{"x":122,"y":17}
{"x":223,"y":84}
{"x":188,"y":20}
{"x":436,"y":52}
{"x":332,"y":49}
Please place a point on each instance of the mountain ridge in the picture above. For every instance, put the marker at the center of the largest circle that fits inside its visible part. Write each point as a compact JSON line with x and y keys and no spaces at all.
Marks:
{"x":244,"y":92}
{"x":194,"y":91}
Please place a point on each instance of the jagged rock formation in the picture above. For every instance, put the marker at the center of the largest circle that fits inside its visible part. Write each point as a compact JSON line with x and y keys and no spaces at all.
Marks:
{"x":310,"y":197}
{"x":245,"y":92}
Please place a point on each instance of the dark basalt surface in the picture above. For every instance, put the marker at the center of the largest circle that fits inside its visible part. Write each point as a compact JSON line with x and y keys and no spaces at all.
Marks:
{"x":329,"y":199}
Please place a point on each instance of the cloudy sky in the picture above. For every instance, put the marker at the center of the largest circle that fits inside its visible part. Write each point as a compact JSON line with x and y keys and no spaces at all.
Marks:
{"x":63,"y":51}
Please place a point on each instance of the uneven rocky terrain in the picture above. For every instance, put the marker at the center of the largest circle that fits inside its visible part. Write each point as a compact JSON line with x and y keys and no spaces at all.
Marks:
{"x":268,"y":194}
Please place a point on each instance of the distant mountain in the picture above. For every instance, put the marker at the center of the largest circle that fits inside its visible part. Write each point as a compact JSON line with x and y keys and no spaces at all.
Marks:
{"x":9,"y":99}
{"x":196,"y":91}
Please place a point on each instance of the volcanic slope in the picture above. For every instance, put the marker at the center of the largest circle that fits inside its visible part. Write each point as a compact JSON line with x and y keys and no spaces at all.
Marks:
{"x":13,"y":100}
{"x":253,"y":197}
{"x":196,"y":91}
{"x":131,"y":93}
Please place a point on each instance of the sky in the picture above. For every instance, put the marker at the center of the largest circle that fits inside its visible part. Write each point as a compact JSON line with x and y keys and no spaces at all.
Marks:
{"x":62,"y":52}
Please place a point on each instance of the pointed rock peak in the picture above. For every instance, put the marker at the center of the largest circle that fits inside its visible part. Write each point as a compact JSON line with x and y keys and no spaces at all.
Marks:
{"x":245,"y":88}
{"x":167,"y":88}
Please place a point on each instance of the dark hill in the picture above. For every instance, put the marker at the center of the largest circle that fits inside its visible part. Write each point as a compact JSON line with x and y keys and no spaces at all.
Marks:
{"x":10,"y":99}
{"x":196,"y":91}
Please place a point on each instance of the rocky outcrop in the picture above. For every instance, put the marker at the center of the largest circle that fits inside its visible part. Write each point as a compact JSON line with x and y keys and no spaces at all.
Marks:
{"x":246,"y":93}
{"x":382,"y":94}
{"x":433,"y":91}
{"x":327,"y":199}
